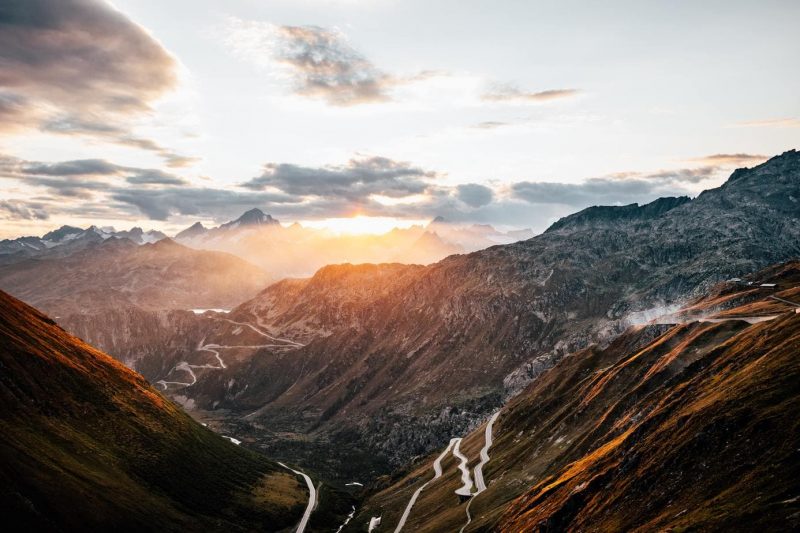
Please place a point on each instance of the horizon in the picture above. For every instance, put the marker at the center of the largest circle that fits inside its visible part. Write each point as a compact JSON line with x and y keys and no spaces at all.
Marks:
{"x":121,"y":117}
{"x":359,"y":225}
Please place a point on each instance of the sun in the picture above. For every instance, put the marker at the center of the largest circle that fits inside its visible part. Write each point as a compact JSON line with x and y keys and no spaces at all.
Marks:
{"x":362,"y":225}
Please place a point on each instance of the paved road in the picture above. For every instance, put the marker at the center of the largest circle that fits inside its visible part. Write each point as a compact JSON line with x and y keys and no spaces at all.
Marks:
{"x":466,"y":478}
{"x":785,"y":301}
{"x":214,"y":348}
{"x":262,"y":333}
{"x":478,"y":472}
{"x":437,"y":473}
{"x":748,"y":319}
{"x":312,"y":499}
{"x":479,"y":483}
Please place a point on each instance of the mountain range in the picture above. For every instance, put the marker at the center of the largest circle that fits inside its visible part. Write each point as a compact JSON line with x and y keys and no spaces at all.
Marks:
{"x":296,"y":250}
{"x":67,"y":240}
{"x":631,"y":368}
{"x":686,"y":423}
{"x":280,"y":251}
{"x":115,"y":273}
{"x":388,"y":361}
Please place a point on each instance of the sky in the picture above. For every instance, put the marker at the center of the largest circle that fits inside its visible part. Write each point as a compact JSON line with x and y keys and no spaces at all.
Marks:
{"x":511,"y":113}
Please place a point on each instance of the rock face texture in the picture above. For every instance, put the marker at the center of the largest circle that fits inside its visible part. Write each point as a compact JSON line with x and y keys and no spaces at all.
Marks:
{"x":89,"y":445}
{"x":687,"y":426}
{"x":398,"y":358}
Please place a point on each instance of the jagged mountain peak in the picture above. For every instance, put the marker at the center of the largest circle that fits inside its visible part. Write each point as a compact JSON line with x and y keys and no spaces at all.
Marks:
{"x":776,"y":167}
{"x":192,"y":231}
{"x":253,"y":217}
{"x":601,"y":215}
{"x":61,"y":233}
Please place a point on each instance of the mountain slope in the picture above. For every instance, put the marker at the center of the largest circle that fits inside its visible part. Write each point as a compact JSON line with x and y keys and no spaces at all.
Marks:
{"x":117,"y":273}
{"x":441,"y":347}
{"x":88,"y":444}
{"x":391,"y":366}
{"x":688,"y":426}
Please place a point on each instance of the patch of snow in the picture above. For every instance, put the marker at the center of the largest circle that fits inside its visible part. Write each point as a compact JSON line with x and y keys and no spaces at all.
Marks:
{"x":374,"y":522}
{"x":235,"y":441}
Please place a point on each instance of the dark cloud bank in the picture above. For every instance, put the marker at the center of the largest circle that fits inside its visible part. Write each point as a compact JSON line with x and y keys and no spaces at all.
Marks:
{"x":79,"y":67}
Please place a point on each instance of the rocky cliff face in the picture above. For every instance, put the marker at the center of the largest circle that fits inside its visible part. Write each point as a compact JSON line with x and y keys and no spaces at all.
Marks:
{"x":404,"y":356}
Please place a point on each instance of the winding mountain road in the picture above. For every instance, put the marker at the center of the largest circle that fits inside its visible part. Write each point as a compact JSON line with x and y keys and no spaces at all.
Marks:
{"x":312,"y":499}
{"x":184,"y":366}
{"x":466,"y":478}
{"x":479,"y":483}
{"x":478,"y":472}
{"x":278,"y":343}
{"x":437,"y":473}
{"x":262,"y":333}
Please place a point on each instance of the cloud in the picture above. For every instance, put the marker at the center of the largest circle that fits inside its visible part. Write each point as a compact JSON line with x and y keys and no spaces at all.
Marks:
{"x":160,"y":204}
{"x":320,"y":62}
{"x":81,"y":54}
{"x":12,"y":111}
{"x":788,"y":122}
{"x":594,"y":191}
{"x":474,"y":194}
{"x":72,"y":125}
{"x":80,"y":178}
{"x":154,"y":177}
{"x":19,"y":210}
{"x":685,"y":175}
{"x":370,"y":186}
{"x":69,"y":187}
{"x":491,"y":124}
{"x":354,"y":181}
{"x":731,"y":159}
{"x":81,"y":167}
{"x":510,"y":93}
{"x":66,"y":63}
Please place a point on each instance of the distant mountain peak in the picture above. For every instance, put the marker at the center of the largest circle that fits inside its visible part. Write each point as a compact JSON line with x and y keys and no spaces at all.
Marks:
{"x":253,"y":217}
{"x":192,"y":231}
{"x":437,"y":221}
{"x":61,"y":233}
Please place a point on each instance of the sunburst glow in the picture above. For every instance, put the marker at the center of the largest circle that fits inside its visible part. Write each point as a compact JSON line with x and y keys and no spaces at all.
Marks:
{"x":362,"y":225}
